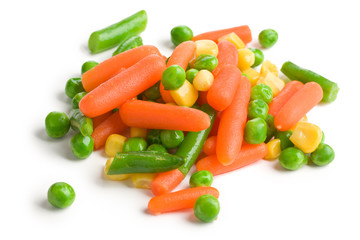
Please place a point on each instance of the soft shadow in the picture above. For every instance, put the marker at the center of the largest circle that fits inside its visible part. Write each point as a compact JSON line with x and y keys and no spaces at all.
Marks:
{"x":278,"y":167}
{"x":61,"y":96}
{"x":168,"y":44}
{"x":44,"y":204}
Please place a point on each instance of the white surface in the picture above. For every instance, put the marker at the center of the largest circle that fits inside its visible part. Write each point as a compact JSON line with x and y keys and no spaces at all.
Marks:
{"x":44,"y":43}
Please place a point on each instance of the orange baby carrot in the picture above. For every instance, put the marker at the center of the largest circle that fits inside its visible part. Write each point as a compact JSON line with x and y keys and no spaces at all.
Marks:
{"x":215,"y":127}
{"x":285,"y":94}
{"x":124,"y":86}
{"x":182,"y":54}
{"x":232,"y":124}
{"x":243,"y":32}
{"x":202,"y":98}
{"x":222,"y":91}
{"x":165,"y":94}
{"x":298,"y":105}
{"x":99,"y":119}
{"x":108,"y":68}
{"x":111,"y":125}
{"x":209,"y":147}
{"x":165,"y":182}
{"x":249,"y":154}
{"x":151,"y":115}
{"x":228,"y":54}
{"x":179,"y":200}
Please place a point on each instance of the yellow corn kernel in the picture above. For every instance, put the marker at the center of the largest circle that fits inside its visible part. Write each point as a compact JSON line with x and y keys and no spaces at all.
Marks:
{"x":118,"y":177}
{"x":306,"y":137}
{"x":267,"y":66}
{"x":274,"y":149}
{"x":274,"y":82}
{"x":114,"y":143}
{"x":253,"y":75}
{"x":234,"y":39}
{"x":206,"y":47}
{"x":304,"y":119}
{"x":142,"y":180}
{"x":186,"y":95}
{"x":138,"y":132}
{"x":246,"y":58}
{"x":203,"y":80}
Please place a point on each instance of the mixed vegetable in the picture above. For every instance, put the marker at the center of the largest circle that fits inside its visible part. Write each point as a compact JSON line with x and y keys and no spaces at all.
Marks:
{"x":155,"y":115}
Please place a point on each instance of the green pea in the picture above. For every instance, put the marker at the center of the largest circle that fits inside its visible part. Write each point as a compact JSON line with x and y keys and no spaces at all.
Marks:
{"x":206,"y":61}
{"x":61,"y":195}
{"x":153,"y":92}
{"x":77,"y":98}
{"x":255,"y":131}
{"x":268,"y":37}
{"x":73,"y":86}
{"x":259,"y":56}
{"x":173,"y":77}
{"x":57,"y":124}
{"x":201,"y":178}
{"x":206,"y":208}
{"x":87,"y":66}
{"x":323,"y":155}
{"x":128,"y":43}
{"x":292,"y":158}
{"x":157,"y":148}
{"x":196,"y":106}
{"x":171,"y":138}
{"x":257,"y":108}
{"x":190,"y":74}
{"x":261,"y":91}
{"x":153,"y":136}
{"x":82,"y":146}
{"x":322,"y":137}
{"x":271,"y":129}
{"x":181,"y":34}
{"x":135,"y":144}
{"x":284,"y":137}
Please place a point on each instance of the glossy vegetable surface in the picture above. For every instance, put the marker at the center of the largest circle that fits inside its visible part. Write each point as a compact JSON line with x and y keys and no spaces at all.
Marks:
{"x":57,"y":124}
{"x":268,"y":38}
{"x":207,"y":208}
{"x":73,"y":86}
{"x":88,"y":65}
{"x":255,"y":131}
{"x":181,"y":34}
{"x":201,"y":178}
{"x":81,"y":123}
{"x":134,"y":144}
{"x":82,"y":146}
{"x":323,"y":155}
{"x":129,"y":43}
{"x":61,"y":195}
{"x":171,"y":138}
{"x":292,"y":158}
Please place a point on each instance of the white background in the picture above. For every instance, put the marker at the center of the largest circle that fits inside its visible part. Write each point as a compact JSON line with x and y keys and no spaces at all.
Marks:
{"x":44,"y":43}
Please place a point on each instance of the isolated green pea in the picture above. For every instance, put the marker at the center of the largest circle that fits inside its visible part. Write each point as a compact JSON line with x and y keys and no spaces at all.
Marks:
{"x":268,"y":38}
{"x":82,"y":146}
{"x":173,"y":77}
{"x":181,"y":34}
{"x":61,"y":195}
{"x":206,"y":61}
{"x":258,"y":108}
{"x":323,"y":155}
{"x":255,"y":131}
{"x":87,"y":66}
{"x":292,"y":158}
{"x":206,"y":208}
{"x":57,"y":124}
{"x":135,"y":144}
{"x":201,"y":178}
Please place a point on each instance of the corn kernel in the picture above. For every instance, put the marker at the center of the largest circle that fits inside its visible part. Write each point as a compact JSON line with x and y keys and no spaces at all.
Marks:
{"x":246,"y":58}
{"x":186,"y":95}
{"x":304,"y":119}
{"x":306,"y":137}
{"x":114,"y":144}
{"x":203,"y":80}
{"x":253,"y":75}
{"x":206,"y":47}
{"x":267,"y":66}
{"x":274,"y":149}
{"x":274,"y":82}
{"x":138,"y":132}
{"x":142,"y":180}
{"x":234,"y":39}
{"x":118,"y":177}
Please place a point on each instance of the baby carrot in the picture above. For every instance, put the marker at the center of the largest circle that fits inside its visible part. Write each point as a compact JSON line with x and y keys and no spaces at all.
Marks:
{"x":243,"y":32}
{"x":165,"y":94}
{"x":99,"y":119}
{"x":232,"y":124}
{"x":209,"y":147}
{"x":285,"y":94}
{"x":124,"y":86}
{"x":165,"y":182}
{"x":179,"y":200}
{"x":228,"y":54}
{"x":249,"y":154}
{"x":108,"y":68}
{"x":110,"y":125}
{"x":182,"y":54}
{"x":215,"y":127}
{"x":151,"y":115}
{"x":202,"y":98}
{"x":298,"y":105}
{"x":222,"y":91}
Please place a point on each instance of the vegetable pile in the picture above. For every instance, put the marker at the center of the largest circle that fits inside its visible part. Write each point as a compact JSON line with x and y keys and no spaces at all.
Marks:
{"x":214,"y":104}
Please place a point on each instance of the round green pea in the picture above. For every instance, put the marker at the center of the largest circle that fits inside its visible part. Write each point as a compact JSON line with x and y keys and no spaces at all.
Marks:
{"x":157,"y":148}
{"x":61,"y":195}
{"x":73,"y":86}
{"x":87,"y":66}
{"x":181,"y":34}
{"x":57,"y":124}
{"x":201,"y":178}
{"x":284,"y":137}
{"x":190,"y":74}
{"x":271,"y":129}
{"x":77,"y":98}
{"x":261,"y":91}
{"x":153,"y":92}
{"x":255,"y":131}
{"x":292,"y":158}
{"x":257,"y":108}
{"x":268,"y":38}
{"x":206,"y":208}
{"x":135,"y":144}
{"x":82,"y":146}
{"x":259,"y":56}
{"x":171,"y":138}
{"x":206,"y":61}
{"x":323,"y":155}
{"x":173,"y":77}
